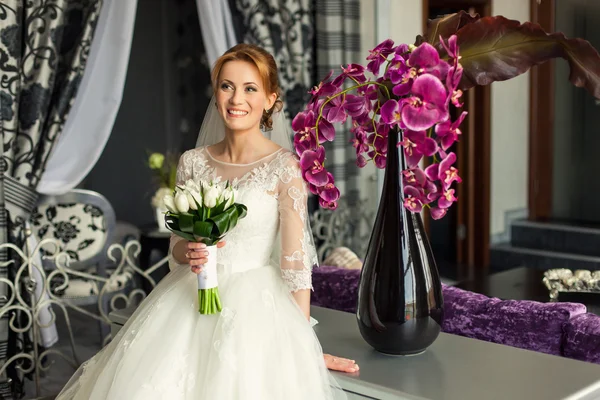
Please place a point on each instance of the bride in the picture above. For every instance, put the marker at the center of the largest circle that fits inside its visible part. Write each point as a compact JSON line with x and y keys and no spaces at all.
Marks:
{"x":262,"y":345}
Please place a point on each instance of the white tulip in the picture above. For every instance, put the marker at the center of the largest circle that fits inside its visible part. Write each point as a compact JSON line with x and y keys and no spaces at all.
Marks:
{"x":210,"y":196}
{"x":181,"y":201}
{"x":170,"y":203}
{"x":196,"y":196}
{"x":228,"y":196}
{"x":190,"y":199}
{"x":192,"y":185}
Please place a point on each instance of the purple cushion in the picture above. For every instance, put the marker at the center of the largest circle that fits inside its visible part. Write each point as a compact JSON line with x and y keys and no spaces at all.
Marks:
{"x":582,"y":338}
{"x":335,"y":288}
{"x":519,"y":323}
{"x":525,"y":324}
{"x":466,"y":313}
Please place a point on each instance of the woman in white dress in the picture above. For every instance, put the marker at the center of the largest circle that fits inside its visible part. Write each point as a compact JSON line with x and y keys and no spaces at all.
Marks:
{"x":262,"y":345}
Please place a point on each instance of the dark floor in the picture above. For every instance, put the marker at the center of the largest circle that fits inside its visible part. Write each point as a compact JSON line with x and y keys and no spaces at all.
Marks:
{"x":86,"y":334}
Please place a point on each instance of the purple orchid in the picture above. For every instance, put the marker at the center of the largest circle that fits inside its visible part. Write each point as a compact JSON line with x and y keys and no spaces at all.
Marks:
{"x":452,"y":82}
{"x":451,"y":47}
{"x":329,"y":193}
{"x":360,"y":140}
{"x":427,"y":106}
{"x":437,"y":213}
{"x":334,"y":110}
{"x":379,"y":159}
{"x":447,"y":173}
{"x":356,"y":106}
{"x":361,"y":161}
{"x":432,"y":190}
{"x":379,"y":54}
{"x":446,"y":199}
{"x":416,"y":145}
{"x":426,"y":60}
{"x":327,"y":205}
{"x":311,"y":163}
{"x":356,"y":72}
{"x":413,"y":200}
{"x":414,"y":177}
{"x":380,"y":143}
{"x":448,"y":131}
{"x":370,"y":92}
{"x":304,"y":126}
{"x":324,"y":88}
{"x":413,"y":97}
{"x":444,"y":171}
{"x":398,"y":70}
{"x":326,"y":130}
{"x":423,"y":60}
{"x":391,"y":113}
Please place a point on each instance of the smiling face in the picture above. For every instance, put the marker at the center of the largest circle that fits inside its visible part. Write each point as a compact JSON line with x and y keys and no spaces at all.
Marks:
{"x":241,"y":96}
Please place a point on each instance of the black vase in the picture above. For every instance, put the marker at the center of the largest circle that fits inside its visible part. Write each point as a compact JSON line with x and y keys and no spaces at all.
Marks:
{"x":400,"y":303}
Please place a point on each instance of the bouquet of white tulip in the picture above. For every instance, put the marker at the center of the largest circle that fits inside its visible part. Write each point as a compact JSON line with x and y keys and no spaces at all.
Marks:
{"x":205,"y":215}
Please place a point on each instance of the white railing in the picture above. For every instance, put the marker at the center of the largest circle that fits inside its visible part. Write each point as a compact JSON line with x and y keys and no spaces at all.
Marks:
{"x":121,"y":287}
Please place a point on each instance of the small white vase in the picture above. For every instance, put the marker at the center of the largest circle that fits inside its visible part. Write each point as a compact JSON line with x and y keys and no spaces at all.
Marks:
{"x":160,"y":219}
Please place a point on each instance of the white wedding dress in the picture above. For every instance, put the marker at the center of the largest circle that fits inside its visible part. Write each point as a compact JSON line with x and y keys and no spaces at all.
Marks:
{"x":260,"y":346}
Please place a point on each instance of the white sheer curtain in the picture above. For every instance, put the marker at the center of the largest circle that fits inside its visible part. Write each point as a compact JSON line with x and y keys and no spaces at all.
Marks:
{"x":93,"y":114}
{"x":216,"y":26}
{"x":91,"y":118}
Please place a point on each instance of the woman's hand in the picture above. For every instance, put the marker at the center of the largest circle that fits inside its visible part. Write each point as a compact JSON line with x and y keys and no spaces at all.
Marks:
{"x":340,"y":364}
{"x":197,"y":255}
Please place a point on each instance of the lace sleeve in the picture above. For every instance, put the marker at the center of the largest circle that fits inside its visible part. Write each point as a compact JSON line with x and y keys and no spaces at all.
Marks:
{"x":298,"y":254}
{"x":184,"y":172}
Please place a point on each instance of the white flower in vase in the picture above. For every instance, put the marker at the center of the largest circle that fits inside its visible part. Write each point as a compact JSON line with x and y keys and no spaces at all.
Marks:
{"x":158,"y":198}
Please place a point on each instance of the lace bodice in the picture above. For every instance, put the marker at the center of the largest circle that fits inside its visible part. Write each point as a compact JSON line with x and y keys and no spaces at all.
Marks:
{"x":275,"y":231}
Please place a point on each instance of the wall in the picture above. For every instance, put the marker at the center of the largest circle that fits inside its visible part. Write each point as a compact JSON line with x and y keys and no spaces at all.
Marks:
{"x":577,"y":121}
{"x":509,"y":167}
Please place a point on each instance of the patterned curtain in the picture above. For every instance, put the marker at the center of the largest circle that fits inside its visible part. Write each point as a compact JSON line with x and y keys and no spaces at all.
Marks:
{"x":337,"y":39}
{"x":44,"y":45}
{"x":285,"y":29}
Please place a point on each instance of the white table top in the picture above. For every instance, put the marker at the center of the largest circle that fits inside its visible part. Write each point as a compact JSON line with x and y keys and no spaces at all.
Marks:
{"x":453,"y":368}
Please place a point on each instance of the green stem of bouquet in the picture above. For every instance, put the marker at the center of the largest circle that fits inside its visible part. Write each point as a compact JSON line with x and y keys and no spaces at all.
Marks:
{"x":209,"y":301}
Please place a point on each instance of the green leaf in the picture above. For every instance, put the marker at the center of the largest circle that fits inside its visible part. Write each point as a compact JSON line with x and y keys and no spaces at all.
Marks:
{"x":233,"y":218}
{"x":186,"y":222}
{"x":242,"y":210}
{"x":172,"y":222}
{"x":221,"y":222}
{"x":496,"y":49}
{"x":219,"y":208}
{"x":185,"y":235}
{"x":203,"y":229}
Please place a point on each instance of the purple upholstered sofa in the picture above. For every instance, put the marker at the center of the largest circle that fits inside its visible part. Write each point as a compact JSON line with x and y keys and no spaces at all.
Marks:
{"x":563,"y":329}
